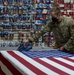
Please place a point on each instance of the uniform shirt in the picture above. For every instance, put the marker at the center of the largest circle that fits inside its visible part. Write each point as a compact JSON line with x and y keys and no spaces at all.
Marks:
{"x":63,"y":31}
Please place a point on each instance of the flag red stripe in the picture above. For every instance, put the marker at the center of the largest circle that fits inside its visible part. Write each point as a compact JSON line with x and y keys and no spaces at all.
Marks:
{"x":69,"y":59}
{"x":27,"y":64}
{"x":62,"y":63}
{"x":50,"y":67}
{"x":12,"y":69}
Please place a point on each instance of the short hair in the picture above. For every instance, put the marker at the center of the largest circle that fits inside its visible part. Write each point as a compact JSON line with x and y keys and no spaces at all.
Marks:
{"x":56,"y":10}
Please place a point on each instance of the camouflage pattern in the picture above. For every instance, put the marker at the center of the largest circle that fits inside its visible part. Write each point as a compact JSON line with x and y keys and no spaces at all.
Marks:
{"x":63,"y":31}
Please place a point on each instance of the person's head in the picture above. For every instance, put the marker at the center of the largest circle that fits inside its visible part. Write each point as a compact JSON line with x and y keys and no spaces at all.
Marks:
{"x":55,"y":14}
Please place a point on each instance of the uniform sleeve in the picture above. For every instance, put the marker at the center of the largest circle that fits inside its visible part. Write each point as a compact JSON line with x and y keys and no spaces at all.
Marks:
{"x":45,"y":29}
{"x":70,"y":44}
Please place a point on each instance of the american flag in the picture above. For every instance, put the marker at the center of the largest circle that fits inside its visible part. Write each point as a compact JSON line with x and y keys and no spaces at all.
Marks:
{"x":16,"y":63}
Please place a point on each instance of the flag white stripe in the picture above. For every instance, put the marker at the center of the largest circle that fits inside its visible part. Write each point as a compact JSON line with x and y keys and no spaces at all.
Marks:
{"x":71,"y":58}
{"x":65,"y":61}
{"x":59,"y":66}
{"x":23,"y":69}
{"x":5,"y":69}
{"x":36,"y":64}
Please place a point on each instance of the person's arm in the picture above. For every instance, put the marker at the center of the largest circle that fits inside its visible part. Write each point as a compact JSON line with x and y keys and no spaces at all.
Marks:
{"x":70,"y":44}
{"x":36,"y":36}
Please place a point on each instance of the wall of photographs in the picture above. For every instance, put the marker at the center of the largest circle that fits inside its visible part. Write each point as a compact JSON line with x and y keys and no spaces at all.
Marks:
{"x":67,"y":7}
{"x":23,"y":18}
{"x":16,"y":14}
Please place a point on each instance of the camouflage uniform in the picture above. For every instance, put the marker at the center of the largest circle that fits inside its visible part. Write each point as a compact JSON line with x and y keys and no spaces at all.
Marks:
{"x":63,"y":31}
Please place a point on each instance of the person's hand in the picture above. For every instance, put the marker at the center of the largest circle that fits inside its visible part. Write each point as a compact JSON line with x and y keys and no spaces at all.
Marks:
{"x":27,"y":40}
{"x":62,"y":48}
